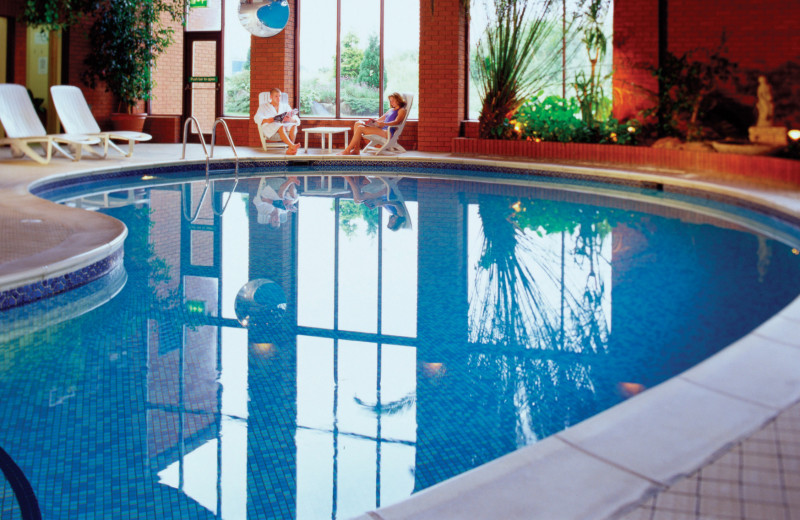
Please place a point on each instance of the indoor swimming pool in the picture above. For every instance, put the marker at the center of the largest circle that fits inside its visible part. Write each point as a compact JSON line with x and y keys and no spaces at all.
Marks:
{"x":308,"y":357}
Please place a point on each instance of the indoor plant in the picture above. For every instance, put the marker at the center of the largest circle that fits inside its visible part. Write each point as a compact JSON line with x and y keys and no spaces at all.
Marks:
{"x":511,"y":63}
{"x":125,"y":38}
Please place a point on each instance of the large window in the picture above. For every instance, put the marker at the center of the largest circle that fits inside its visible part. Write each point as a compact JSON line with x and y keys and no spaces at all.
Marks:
{"x":558,"y":78}
{"x":345,"y":77}
{"x":236,"y":65}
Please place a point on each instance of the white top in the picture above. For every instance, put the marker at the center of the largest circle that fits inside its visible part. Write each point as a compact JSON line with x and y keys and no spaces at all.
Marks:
{"x":326,"y":129}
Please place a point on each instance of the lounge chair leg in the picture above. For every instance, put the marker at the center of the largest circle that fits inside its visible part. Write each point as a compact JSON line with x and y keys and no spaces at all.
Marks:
{"x":113,"y":145}
{"x":64,"y":152}
{"x":25,"y":149}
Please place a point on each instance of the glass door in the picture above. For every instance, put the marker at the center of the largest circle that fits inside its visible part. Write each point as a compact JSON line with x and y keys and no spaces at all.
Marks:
{"x":203,"y":68}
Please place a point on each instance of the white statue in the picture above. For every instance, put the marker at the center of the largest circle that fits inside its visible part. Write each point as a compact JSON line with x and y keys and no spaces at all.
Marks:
{"x":764,"y":105}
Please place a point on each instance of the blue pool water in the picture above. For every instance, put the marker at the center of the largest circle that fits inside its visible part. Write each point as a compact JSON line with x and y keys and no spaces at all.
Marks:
{"x":327,"y":365}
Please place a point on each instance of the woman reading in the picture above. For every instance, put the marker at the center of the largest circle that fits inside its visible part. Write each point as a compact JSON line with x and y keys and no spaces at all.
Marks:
{"x":383,"y":126}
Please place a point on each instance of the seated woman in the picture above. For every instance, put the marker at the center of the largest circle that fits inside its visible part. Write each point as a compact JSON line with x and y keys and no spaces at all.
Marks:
{"x":381,"y":192}
{"x":285,"y":128}
{"x":383,"y":126}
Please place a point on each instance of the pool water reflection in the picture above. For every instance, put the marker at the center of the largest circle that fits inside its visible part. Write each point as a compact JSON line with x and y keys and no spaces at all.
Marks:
{"x":381,"y":361}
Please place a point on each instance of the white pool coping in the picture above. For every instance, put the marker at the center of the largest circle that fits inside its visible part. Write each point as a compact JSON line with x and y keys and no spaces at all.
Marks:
{"x":609,"y":463}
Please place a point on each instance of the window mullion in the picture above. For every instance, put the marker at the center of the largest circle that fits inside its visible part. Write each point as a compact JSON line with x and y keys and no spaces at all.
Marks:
{"x":338,"y":58}
{"x":380,"y":64}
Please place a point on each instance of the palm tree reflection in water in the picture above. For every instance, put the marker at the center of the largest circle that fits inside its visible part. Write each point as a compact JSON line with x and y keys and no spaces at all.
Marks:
{"x":518,"y":276}
{"x":536,"y":306}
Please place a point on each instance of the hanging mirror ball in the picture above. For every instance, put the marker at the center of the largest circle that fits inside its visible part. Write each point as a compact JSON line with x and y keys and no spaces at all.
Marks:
{"x":264,"y":17}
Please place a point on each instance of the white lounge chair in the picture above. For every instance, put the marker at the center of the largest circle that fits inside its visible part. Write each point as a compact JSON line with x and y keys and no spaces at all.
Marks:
{"x":23,"y":128}
{"x":380,"y":145}
{"x":275,"y":140}
{"x":76,"y":118}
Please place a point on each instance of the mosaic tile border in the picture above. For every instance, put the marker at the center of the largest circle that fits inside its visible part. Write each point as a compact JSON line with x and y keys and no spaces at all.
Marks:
{"x":59,"y":284}
{"x":72,"y":185}
{"x":50,"y":189}
{"x":62,"y":187}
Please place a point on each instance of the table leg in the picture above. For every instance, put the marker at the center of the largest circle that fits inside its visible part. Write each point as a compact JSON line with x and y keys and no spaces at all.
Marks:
{"x":322,"y":142}
{"x":330,"y":142}
{"x":306,"y":146}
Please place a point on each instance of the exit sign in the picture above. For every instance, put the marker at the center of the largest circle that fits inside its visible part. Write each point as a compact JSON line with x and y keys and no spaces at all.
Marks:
{"x":198,"y":3}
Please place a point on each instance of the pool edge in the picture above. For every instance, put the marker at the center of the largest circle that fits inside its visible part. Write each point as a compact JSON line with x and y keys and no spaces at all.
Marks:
{"x":499,"y":488}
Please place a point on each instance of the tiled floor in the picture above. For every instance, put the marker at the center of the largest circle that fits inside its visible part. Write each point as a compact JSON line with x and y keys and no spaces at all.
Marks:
{"x":757,"y":478}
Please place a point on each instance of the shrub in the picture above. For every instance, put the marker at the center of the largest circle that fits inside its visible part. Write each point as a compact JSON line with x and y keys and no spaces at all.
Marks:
{"x":237,"y":93}
{"x":557,"y":119}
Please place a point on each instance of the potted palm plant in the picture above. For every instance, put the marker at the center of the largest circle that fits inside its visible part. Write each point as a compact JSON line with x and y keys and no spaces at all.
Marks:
{"x":125,"y":39}
{"x":511,"y":62}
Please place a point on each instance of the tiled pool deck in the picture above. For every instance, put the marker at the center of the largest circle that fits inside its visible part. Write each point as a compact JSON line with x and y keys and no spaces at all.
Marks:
{"x":720,"y":441}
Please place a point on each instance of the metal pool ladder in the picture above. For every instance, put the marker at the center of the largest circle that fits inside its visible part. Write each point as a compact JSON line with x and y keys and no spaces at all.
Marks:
{"x":193,"y":218}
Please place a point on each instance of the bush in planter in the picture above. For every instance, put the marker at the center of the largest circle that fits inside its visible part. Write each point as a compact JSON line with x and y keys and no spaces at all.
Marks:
{"x":557,"y":119}
{"x":551,"y":119}
{"x":686,"y":86}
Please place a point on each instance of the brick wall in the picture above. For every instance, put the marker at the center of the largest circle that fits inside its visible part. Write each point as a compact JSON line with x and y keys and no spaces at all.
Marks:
{"x":442,"y":75}
{"x":164,"y":129}
{"x":168,"y":76}
{"x":272,"y":65}
{"x":238,"y":127}
{"x":100,"y":101}
{"x":635,"y":49}
{"x":761,"y":37}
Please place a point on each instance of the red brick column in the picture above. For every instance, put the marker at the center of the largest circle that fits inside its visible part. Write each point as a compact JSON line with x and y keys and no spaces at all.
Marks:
{"x":272,"y":65}
{"x":635,"y":50}
{"x":442,"y":75}
{"x":20,"y":52}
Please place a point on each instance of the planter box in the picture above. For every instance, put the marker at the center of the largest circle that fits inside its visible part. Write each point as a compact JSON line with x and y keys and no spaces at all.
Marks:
{"x":752,"y":166}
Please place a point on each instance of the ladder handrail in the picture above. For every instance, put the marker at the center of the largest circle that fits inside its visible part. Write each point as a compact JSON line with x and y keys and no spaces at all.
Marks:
{"x":213,"y":206}
{"x":186,"y":194}
{"x":208,"y":182}
{"x":230,"y":140}
{"x":202,"y":139}
{"x":183,"y":156}
{"x":235,"y":154}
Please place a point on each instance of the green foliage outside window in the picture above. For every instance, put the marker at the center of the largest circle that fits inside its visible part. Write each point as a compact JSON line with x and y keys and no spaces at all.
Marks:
{"x":589,"y":88}
{"x":359,"y":81}
{"x":350,"y":213}
{"x":351,"y":56}
{"x":360,"y":98}
{"x":370,"y":65}
{"x":237,"y":91}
